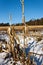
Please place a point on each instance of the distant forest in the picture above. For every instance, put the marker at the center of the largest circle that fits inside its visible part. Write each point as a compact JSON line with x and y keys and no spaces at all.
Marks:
{"x":35,"y":22}
{"x":31,"y":22}
{"x":4,"y":24}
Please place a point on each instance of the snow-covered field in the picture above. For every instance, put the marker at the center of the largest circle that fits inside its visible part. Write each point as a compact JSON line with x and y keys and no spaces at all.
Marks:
{"x":31,"y":45}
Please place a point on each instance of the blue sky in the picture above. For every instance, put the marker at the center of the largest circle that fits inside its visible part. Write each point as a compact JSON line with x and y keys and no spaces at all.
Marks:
{"x":33,"y":10}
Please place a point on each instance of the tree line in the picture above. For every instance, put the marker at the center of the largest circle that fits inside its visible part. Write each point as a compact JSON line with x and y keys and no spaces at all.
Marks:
{"x":4,"y":24}
{"x":35,"y":22}
{"x":31,"y":22}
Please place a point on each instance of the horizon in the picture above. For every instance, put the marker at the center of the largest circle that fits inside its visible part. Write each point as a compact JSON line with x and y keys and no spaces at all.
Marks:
{"x":13,"y":7}
{"x":21,"y":22}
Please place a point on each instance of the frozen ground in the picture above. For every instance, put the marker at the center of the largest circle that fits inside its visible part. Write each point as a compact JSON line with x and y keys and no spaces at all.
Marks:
{"x":36,"y":47}
{"x":31,"y":46}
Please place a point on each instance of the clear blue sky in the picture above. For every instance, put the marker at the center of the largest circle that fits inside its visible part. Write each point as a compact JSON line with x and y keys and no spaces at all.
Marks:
{"x":33,"y":10}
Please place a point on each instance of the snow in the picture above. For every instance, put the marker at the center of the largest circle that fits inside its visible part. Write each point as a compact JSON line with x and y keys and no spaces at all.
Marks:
{"x":34,"y":46}
{"x":30,"y":43}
